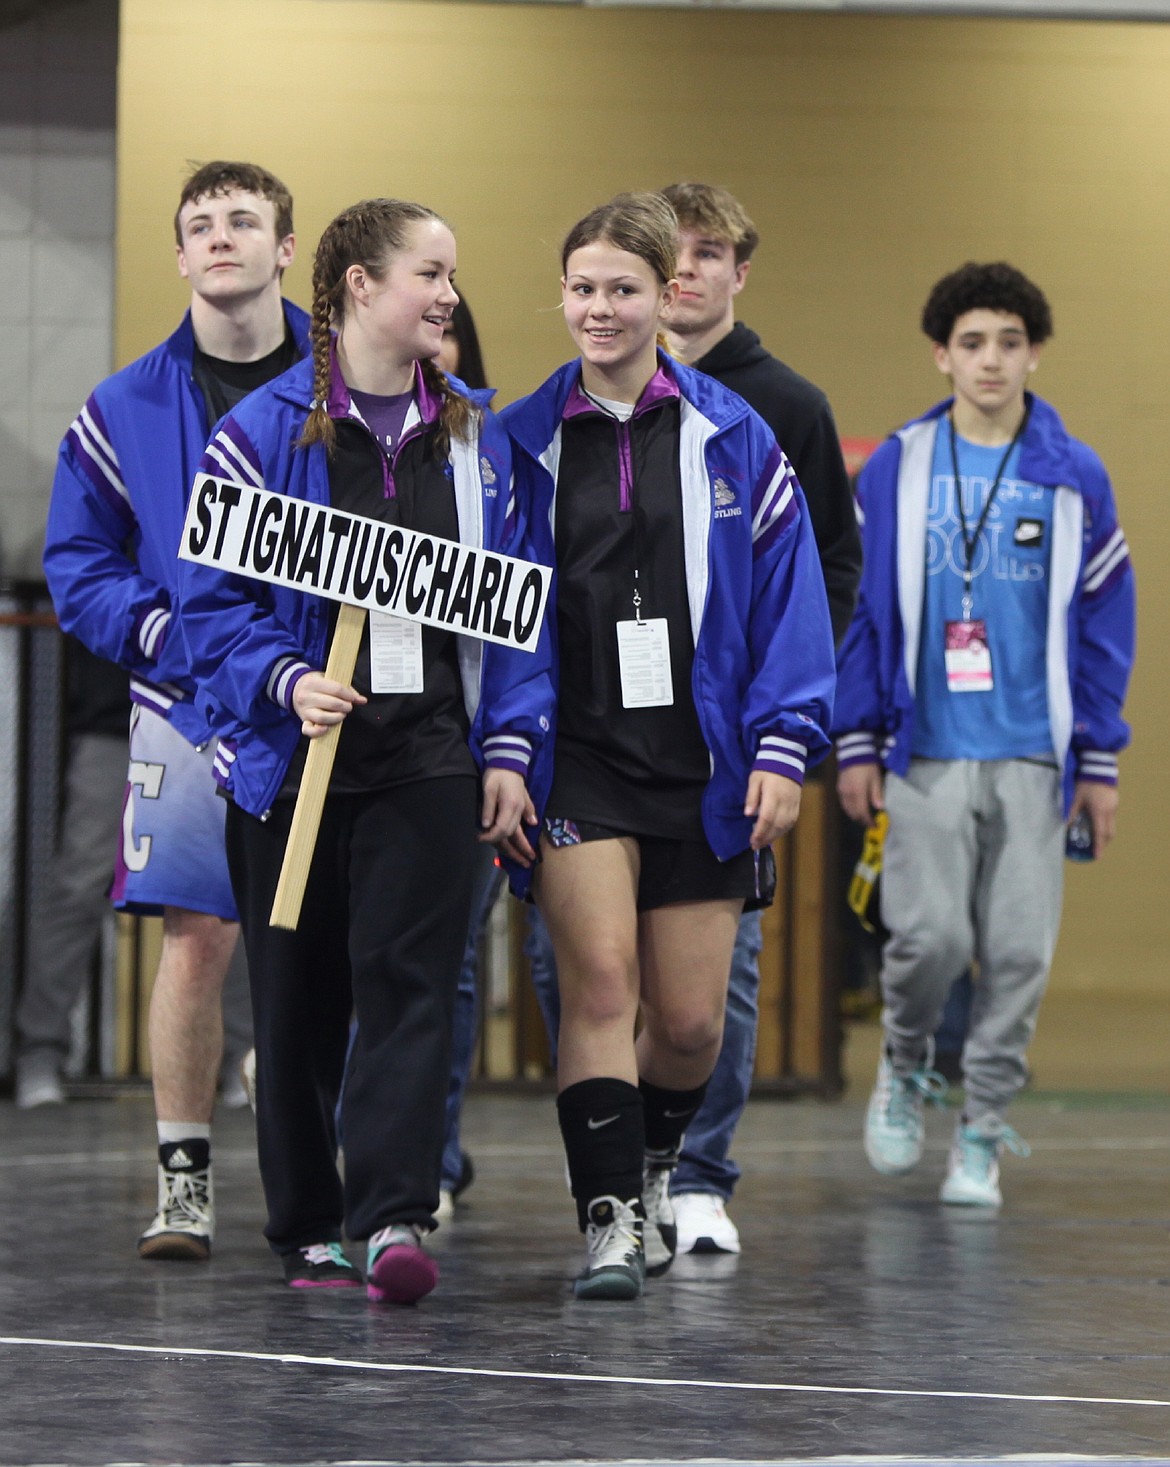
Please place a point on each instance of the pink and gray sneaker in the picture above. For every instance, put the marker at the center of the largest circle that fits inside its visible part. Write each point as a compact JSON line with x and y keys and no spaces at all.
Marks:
{"x":398,"y":1271}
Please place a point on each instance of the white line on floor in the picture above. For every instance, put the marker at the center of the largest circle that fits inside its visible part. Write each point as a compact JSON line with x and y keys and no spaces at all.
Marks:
{"x":333,"y":1363}
{"x":1031,"y":1459}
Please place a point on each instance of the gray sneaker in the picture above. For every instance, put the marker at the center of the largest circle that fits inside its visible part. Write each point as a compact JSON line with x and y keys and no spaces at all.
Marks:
{"x":38,"y":1081}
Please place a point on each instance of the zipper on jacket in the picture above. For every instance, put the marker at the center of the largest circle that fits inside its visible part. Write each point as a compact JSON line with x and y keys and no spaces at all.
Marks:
{"x":625,"y":465}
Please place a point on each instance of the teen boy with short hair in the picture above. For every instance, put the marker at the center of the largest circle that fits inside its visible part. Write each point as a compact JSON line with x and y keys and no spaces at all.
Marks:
{"x":979,"y":702}
{"x":119,"y":497}
{"x":716,"y":242}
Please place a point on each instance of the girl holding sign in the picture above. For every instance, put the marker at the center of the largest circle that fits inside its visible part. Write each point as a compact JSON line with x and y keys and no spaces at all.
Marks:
{"x":369,"y":425}
{"x":695,"y":667}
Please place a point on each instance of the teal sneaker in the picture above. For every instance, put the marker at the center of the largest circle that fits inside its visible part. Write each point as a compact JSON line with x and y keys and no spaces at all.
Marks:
{"x":615,"y":1263}
{"x":894,"y":1125}
{"x":973,"y":1165}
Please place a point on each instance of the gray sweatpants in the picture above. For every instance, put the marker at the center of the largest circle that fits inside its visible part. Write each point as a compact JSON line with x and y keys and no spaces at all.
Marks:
{"x":973,"y":869}
{"x":65,"y":930}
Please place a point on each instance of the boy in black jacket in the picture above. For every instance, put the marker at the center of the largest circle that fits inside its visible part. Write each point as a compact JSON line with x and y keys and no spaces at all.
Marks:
{"x":716,"y":241}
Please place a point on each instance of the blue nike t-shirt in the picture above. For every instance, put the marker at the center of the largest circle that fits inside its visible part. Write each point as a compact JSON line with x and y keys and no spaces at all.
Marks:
{"x":1009,"y":593}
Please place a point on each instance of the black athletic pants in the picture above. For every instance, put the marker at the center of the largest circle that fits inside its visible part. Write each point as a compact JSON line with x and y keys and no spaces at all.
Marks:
{"x":382,"y":932}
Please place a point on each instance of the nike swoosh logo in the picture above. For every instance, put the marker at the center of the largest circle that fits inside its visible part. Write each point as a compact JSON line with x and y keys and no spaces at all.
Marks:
{"x":597,"y":1125}
{"x":677,"y":1115}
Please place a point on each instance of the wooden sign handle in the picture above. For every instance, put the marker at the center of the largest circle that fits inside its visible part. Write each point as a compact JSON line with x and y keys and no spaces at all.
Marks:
{"x":306,"y":821}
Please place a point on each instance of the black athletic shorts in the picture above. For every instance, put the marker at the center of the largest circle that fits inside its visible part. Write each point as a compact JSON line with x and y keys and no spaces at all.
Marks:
{"x":680,"y":870}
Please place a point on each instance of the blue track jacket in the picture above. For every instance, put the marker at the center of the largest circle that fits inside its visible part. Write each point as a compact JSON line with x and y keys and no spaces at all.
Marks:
{"x":249,"y":640}
{"x":763,"y":674}
{"x":1091,"y":610}
{"x":116,"y":513}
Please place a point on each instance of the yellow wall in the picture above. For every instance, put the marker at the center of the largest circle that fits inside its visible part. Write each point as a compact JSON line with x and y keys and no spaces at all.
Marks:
{"x":874,"y":153}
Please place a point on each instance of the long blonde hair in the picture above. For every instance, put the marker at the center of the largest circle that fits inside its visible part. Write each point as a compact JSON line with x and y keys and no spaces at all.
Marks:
{"x":365,"y":234}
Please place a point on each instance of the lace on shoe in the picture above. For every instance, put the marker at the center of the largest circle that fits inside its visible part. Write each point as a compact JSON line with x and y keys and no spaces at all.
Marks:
{"x":981,"y":1144}
{"x":397,"y":1235}
{"x":613,"y":1243}
{"x":318,"y":1253}
{"x":1014,"y":1142}
{"x":186,"y":1203}
{"x":904,"y":1093}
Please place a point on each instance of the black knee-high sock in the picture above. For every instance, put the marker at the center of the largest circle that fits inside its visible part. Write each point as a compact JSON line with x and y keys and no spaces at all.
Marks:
{"x":668,"y":1114}
{"x":604,"y":1135}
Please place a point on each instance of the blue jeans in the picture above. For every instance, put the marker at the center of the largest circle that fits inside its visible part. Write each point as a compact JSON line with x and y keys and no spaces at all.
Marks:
{"x":705,"y":1165}
{"x":485,"y":889}
{"x":538,"y":949}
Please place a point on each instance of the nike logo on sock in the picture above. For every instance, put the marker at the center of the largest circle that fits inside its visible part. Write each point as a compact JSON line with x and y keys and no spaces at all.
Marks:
{"x":597,"y":1125}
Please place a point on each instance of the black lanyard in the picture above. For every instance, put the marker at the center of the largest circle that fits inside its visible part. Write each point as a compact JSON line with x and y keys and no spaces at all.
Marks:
{"x":970,"y":542}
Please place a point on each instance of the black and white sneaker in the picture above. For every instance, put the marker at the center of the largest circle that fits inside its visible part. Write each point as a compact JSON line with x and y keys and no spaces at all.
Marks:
{"x":184,"y":1224}
{"x":320,"y":1266}
{"x":660,"y":1233}
{"x":615,"y":1262}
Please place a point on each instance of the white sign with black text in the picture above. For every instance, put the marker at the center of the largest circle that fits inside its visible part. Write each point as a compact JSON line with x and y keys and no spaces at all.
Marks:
{"x":348,"y":557}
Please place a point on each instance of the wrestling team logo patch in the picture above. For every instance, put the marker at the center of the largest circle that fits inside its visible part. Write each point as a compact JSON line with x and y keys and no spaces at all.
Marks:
{"x":725,"y":505}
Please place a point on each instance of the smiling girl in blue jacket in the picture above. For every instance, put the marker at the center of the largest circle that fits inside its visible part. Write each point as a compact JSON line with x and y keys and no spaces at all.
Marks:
{"x":695,"y":666}
{"x":370,"y":425}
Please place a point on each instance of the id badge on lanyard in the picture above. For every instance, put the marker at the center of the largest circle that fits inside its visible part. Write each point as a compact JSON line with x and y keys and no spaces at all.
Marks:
{"x":396,"y":654}
{"x":966,"y":650}
{"x":643,"y":645}
{"x":968,"y":657}
{"x":644,"y":663}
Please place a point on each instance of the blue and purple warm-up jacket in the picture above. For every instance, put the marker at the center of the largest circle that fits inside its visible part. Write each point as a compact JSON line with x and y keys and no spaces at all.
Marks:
{"x":248,"y":641}
{"x":116,"y":514}
{"x":763,"y":675}
{"x":1091,"y":613}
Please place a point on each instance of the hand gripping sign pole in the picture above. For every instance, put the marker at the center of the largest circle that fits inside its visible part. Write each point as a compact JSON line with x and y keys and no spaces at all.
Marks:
{"x":306,"y":821}
{"x":368,"y":566}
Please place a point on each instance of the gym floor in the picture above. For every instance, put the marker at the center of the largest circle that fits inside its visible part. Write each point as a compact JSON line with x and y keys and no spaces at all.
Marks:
{"x":862,"y":1320}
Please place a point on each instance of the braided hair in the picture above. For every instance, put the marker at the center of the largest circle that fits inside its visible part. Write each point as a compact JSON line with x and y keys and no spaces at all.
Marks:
{"x":366,"y":234}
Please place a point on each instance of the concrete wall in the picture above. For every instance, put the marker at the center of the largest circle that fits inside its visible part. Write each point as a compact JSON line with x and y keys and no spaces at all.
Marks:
{"x":58,"y":76}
